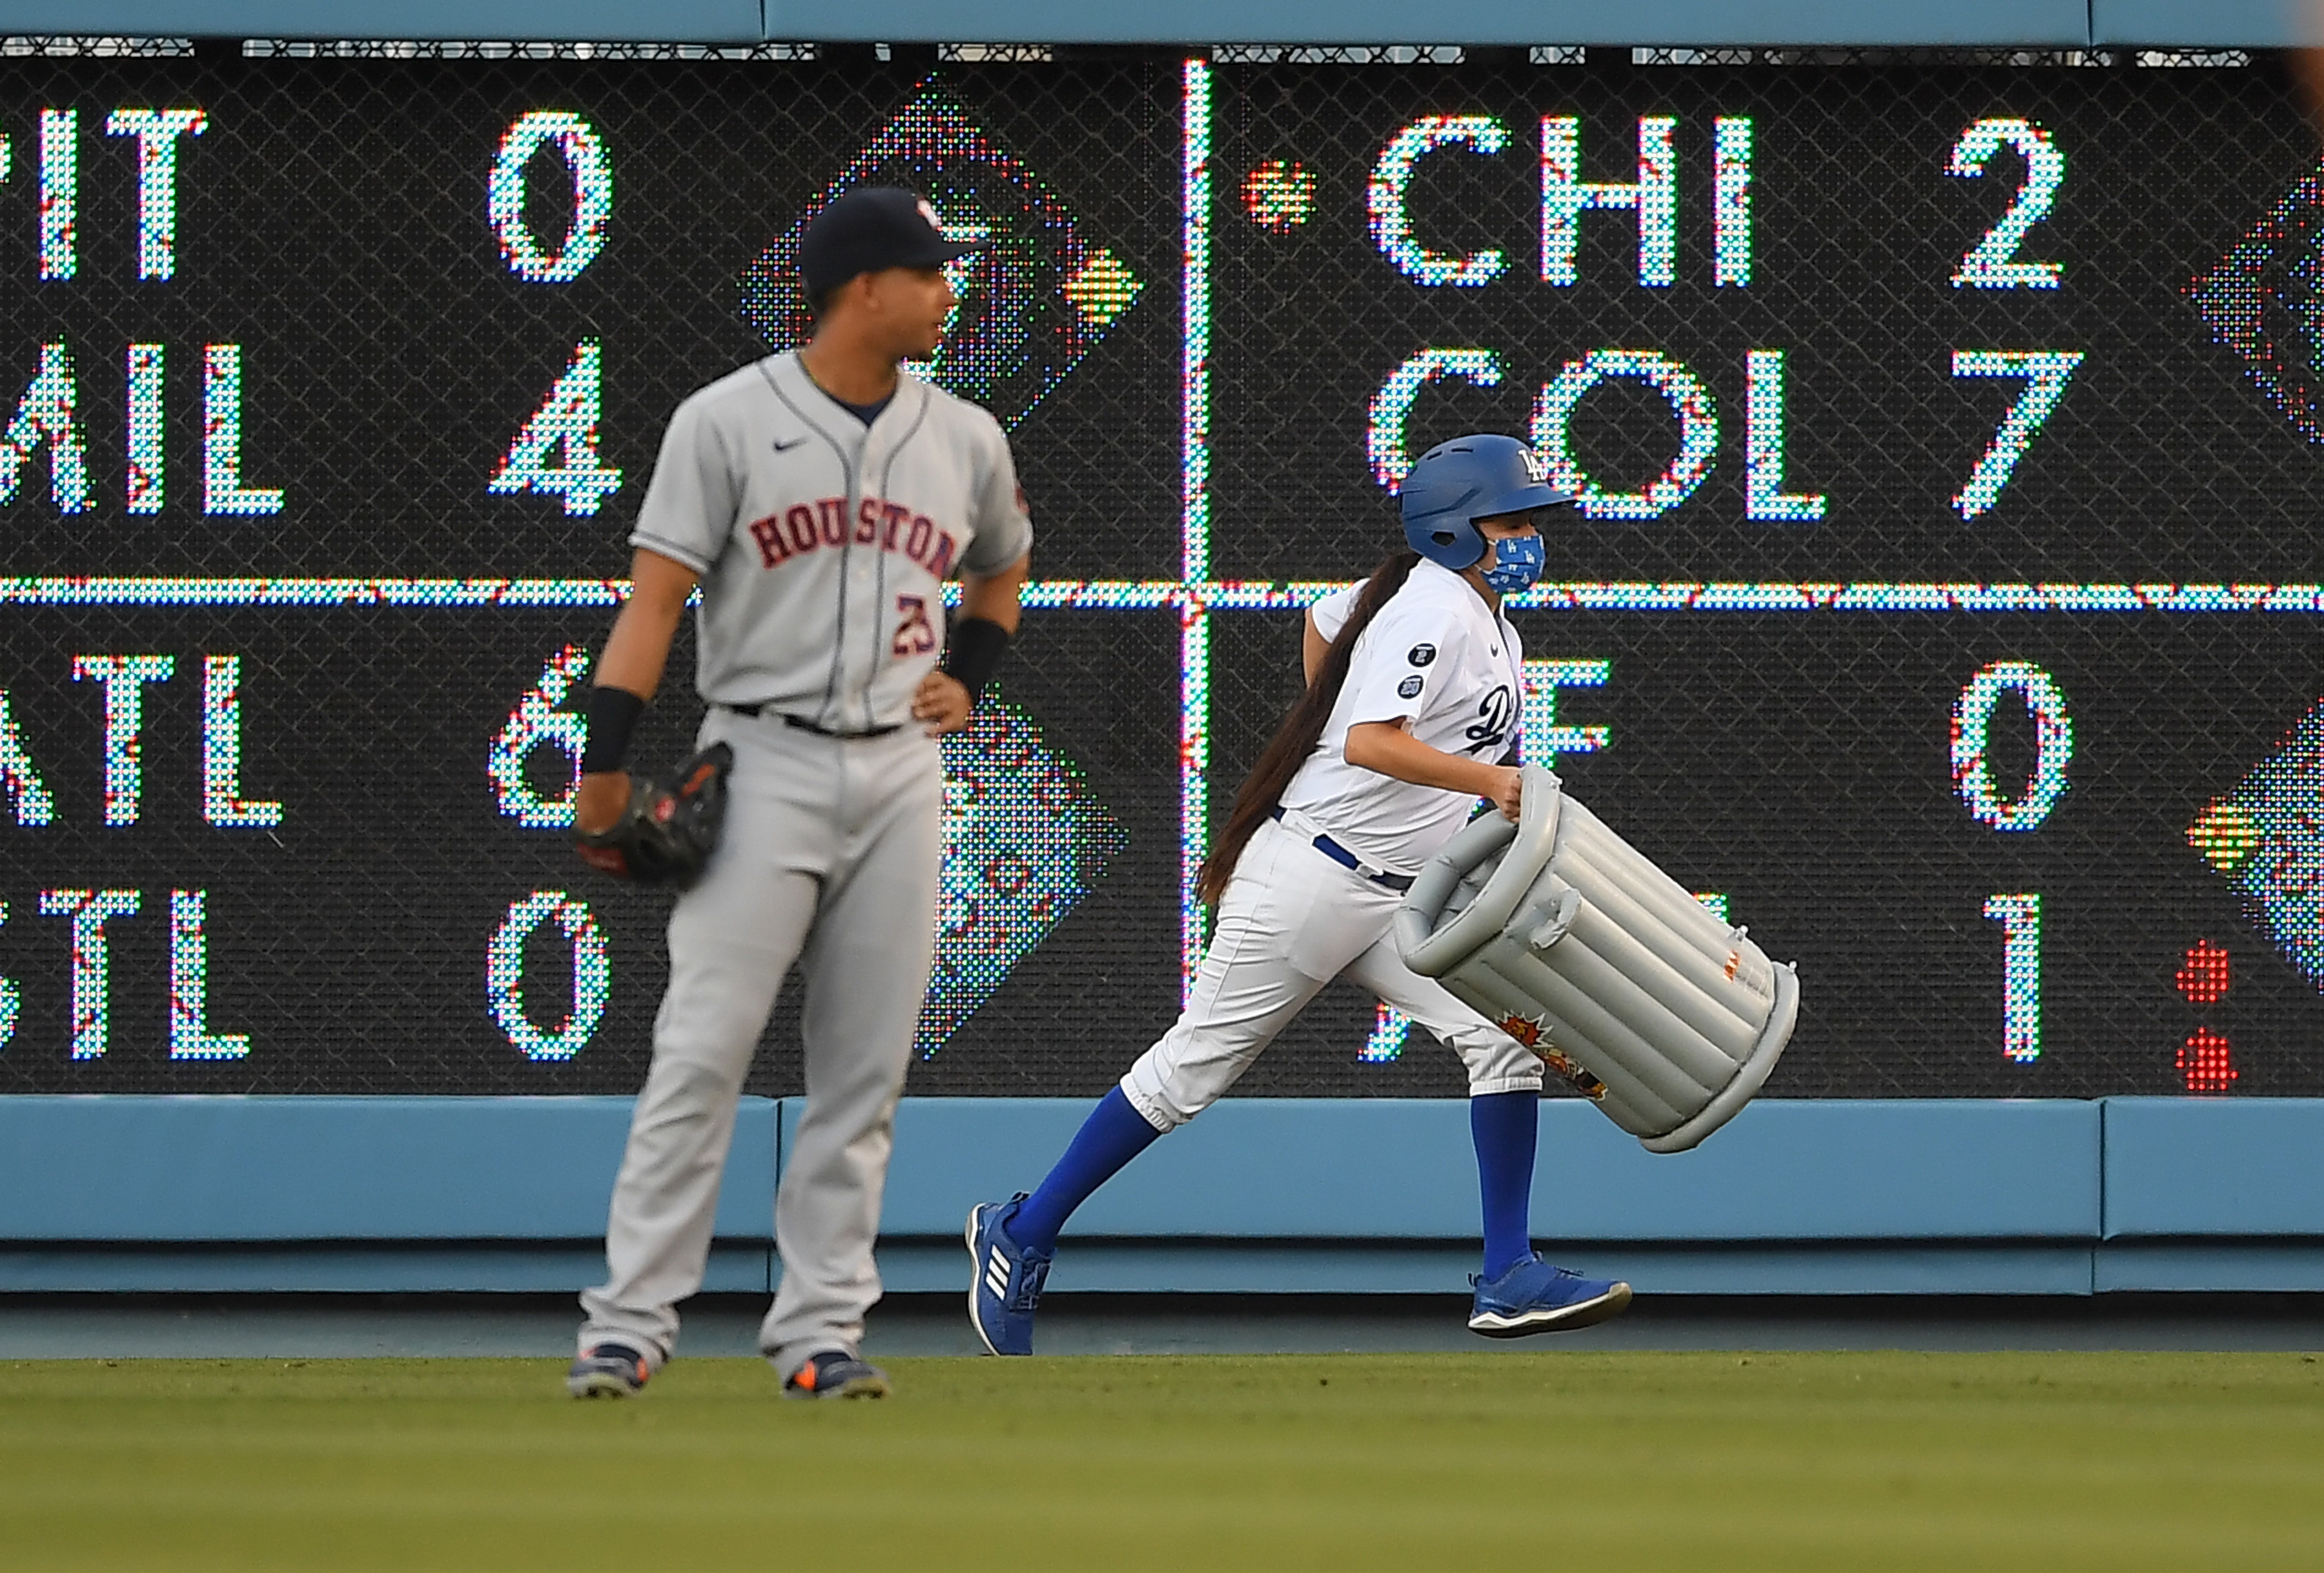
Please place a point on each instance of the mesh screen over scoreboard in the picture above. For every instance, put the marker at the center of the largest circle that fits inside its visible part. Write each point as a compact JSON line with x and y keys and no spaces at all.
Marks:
{"x":1943,"y":601}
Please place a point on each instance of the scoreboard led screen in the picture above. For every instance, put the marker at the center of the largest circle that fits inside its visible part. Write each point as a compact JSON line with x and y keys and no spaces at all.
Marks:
{"x":1944,"y":601}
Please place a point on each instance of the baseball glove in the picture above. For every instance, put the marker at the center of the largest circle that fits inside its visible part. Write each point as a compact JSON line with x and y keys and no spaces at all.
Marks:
{"x":668,"y":832}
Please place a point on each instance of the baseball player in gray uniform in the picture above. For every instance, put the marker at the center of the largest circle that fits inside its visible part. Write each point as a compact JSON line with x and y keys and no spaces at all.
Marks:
{"x":820,"y":498}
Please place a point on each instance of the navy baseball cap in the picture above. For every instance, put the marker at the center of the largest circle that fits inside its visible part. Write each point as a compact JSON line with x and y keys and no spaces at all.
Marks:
{"x":869,"y":228}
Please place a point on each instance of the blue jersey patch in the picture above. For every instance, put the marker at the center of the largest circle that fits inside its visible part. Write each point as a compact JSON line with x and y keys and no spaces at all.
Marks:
{"x":1421,"y":654}
{"x":1409,"y":688}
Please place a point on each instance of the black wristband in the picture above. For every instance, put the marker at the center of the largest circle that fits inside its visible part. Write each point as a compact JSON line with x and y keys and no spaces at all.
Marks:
{"x":974,"y":653}
{"x":611,"y":713}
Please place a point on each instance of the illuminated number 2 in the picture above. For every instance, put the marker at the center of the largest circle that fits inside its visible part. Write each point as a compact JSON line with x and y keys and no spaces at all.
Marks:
{"x":1988,"y":266}
{"x":914,"y":635}
{"x":2020,"y":917}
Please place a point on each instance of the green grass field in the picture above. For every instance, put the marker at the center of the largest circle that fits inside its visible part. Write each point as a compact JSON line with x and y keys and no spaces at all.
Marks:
{"x":1967,"y":1463}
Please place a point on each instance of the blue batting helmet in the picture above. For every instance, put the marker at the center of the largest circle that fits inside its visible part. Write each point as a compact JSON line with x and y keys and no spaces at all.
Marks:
{"x":1455,"y":484}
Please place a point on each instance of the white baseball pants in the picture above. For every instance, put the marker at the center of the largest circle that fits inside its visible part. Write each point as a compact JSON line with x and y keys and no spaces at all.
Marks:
{"x":829,"y":856}
{"x":1291,"y":920}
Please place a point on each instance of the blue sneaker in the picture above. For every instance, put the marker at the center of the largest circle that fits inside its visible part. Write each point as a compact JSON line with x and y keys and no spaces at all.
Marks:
{"x":1533,"y":1297}
{"x":1005,"y":1278}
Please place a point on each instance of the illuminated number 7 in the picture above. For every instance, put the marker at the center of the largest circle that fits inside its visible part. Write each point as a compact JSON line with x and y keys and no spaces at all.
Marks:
{"x":2045,"y":371}
{"x":914,"y":635}
{"x":1987,"y":264}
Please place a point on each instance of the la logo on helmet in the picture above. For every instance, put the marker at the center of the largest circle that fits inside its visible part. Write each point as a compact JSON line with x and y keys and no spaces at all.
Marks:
{"x":929,"y":213}
{"x":1536,"y":471}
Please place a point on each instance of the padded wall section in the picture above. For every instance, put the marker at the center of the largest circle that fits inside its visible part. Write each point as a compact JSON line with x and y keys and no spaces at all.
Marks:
{"x":2216,"y":25}
{"x":2209,"y":1267}
{"x":1443,"y":1267}
{"x":1830,"y":1170}
{"x":1402,"y":1169}
{"x":493,"y":1267}
{"x":1269,"y":1167}
{"x":252,"y":1169}
{"x":1484,"y":22}
{"x":2199,"y":1193}
{"x":2216,"y":1167}
{"x":1478,"y":22}
{"x":606,"y":21}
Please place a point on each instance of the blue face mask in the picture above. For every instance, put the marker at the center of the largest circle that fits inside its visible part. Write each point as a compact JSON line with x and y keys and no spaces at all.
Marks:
{"x":1518,"y":563}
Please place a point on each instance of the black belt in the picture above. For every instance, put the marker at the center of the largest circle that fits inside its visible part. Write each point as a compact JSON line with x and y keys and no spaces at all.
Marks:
{"x":804,"y":725}
{"x":1347,"y":859}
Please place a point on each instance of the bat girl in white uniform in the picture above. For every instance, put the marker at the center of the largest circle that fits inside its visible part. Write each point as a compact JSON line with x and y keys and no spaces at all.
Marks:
{"x":1409,"y":718}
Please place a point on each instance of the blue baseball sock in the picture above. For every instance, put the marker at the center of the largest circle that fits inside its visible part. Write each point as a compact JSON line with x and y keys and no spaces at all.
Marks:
{"x":1505,"y":1125}
{"x":1114,"y":1134}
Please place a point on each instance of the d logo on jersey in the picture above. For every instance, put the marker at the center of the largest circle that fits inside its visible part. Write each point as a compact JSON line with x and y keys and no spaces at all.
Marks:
{"x":1493,"y":714}
{"x":805,"y":527}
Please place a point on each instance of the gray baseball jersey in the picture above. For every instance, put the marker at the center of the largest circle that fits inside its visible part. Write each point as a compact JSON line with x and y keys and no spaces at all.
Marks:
{"x":822,"y":544}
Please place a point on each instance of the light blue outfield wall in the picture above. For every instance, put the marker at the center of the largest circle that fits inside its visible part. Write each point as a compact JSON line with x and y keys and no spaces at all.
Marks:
{"x":1477,"y":22}
{"x":157,"y":1170}
{"x":2054,"y":23}
{"x":1401,"y":1169}
{"x":2175,"y":1167}
{"x":2215,"y":24}
{"x":611,"y":20}
{"x":1796,"y":1197}
{"x":248,"y":1169}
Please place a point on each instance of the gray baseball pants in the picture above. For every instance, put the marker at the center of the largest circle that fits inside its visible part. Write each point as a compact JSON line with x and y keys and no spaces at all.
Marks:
{"x":828,"y":857}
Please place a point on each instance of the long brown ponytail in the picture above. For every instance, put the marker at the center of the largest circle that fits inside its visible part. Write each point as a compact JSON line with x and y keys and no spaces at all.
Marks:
{"x":1295,"y":739}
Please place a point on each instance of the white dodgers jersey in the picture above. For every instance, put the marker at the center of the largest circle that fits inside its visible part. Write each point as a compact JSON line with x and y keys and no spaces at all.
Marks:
{"x":822,"y":544}
{"x":1436,"y":655}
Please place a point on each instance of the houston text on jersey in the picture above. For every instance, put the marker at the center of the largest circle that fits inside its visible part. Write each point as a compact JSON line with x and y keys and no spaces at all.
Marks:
{"x":804,"y":527}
